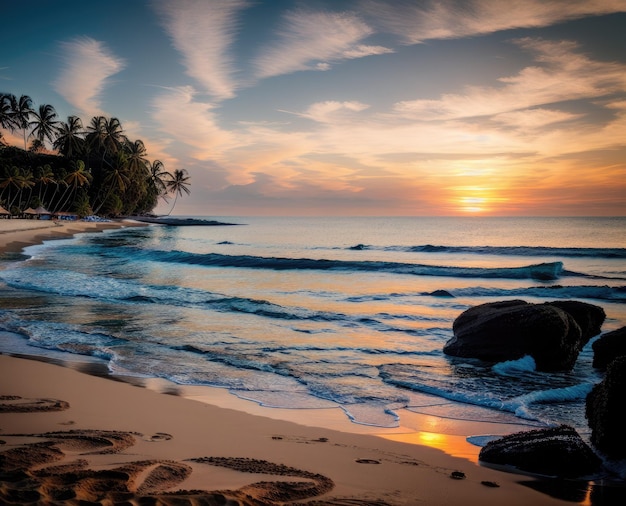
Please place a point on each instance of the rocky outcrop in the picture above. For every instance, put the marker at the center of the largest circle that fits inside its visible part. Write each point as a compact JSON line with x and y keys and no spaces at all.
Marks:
{"x":608,"y":347}
{"x":604,"y":411}
{"x":588,"y":317}
{"x":509,"y":330}
{"x":558,"y":452}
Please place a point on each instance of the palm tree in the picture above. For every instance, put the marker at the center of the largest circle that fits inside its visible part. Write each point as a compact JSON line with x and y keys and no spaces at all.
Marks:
{"x":117,"y":177}
{"x":157,"y":177}
{"x":27,"y":182}
{"x":6,"y":117}
{"x":105,"y":136}
{"x":114,"y":137}
{"x":20,"y":113}
{"x":11,"y":179}
{"x":95,"y":133}
{"x":177,"y":184}
{"x":44,"y":126}
{"x":77,"y":178}
{"x":69,"y":141}
{"x":136,"y":153}
{"x":44,"y":176}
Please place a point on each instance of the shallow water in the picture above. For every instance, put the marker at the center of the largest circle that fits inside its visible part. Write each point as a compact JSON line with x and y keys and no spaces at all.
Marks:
{"x":321,"y":312}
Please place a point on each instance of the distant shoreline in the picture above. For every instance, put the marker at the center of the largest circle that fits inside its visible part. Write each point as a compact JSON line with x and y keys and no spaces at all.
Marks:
{"x":180,"y":222}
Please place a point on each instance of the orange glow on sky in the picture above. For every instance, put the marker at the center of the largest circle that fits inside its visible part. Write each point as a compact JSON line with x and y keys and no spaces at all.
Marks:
{"x":350,"y":108}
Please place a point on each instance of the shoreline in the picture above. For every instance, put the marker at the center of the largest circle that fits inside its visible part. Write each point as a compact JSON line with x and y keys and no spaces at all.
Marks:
{"x":418,"y":457}
{"x":120,"y":437}
{"x":16,"y":233}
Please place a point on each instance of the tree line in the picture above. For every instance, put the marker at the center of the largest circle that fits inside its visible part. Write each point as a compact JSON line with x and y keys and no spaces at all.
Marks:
{"x":93,"y":169}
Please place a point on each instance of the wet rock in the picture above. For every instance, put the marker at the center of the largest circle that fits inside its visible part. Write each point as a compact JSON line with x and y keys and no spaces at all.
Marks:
{"x":558,"y":452}
{"x":604,"y":411}
{"x":608,"y":347}
{"x":588,"y":316}
{"x":509,"y":330}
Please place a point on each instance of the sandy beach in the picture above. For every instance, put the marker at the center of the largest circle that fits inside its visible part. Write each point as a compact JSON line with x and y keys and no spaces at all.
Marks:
{"x":67,"y":435}
{"x":16,"y":234}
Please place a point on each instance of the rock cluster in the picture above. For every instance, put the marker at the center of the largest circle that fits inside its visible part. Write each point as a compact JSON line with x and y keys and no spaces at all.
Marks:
{"x":553,"y":334}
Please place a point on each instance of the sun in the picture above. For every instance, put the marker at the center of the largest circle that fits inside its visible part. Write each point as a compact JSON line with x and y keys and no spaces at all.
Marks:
{"x":472,"y":205}
{"x":473,"y":199}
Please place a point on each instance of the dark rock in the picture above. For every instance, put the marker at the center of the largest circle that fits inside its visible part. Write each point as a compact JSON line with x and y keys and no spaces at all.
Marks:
{"x":604,"y":411}
{"x":557,"y":451}
{"x":441,"y":293}
{"x":509,"y":330}
{"x":608,"y":347}
{"x":589,"y":317}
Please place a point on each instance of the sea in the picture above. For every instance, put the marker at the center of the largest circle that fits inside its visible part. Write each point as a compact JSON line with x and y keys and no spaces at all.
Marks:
{"x":325,"y":312}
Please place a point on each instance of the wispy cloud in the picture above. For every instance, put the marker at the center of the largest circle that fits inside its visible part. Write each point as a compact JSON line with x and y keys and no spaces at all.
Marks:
{"x":312,"y":40}
{"x":331,"y":111}
{"x":203,"y":31}
{"x":417,"y":22}
{"x":191,"y":123}
{"x":561,"y":74}
{"x":87,"y":66}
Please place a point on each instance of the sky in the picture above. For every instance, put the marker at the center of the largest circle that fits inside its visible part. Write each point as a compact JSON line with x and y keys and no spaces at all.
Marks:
{"x":346,"y":107}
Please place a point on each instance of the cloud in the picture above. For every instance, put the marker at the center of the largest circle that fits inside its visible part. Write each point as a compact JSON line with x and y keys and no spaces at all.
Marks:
{"x":330,"y":110}
{"x":203,"y":31}
{"x":562,"y":74}
{"x":534,"y":118}
{"x":191,"y":123}
{"x":309,"y":39}
{"x":417,"y":22}
{"x":87,"y":66}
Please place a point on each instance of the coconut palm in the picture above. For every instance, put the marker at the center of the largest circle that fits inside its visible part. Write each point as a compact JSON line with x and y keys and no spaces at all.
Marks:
{"x":177,"y":184}
{"x":69,"y":141}
{"x":11,"y":179}
{"x":6,"y":117}
{"x":117,"y":177}
{"x":44,"y":125}
{"x":157,"y":177}
{"x":44,"y":176}
{"x":136,"y":156}
{"x":95,"y":133}
{"x":105,"y":136}
{"x":114,"y":137}
{"x":77,"y":178}
{"x":20,"y":113}
{"x":27,"y":183}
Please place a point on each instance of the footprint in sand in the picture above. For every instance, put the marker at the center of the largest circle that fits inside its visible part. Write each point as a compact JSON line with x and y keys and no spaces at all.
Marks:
{"x":17,"y":404}
{"x":158,"y":436}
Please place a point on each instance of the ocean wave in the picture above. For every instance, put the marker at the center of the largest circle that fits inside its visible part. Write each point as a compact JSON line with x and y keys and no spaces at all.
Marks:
{"x":599,"y":292}
{"x":106,"y":288}
{"x":521,"y":405}
{"x":543,"y":271}
{"x":603,"y":292}
{"x":476,"y":386}
{"x":530,"y":251}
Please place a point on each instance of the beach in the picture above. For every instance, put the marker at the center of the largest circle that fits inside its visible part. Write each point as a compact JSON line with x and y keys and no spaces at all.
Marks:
{"x":69,"y":435}
{"x":15,"y":234}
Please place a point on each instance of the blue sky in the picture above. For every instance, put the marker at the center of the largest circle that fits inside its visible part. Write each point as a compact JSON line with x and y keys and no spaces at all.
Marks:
{"x":346,"y":107}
